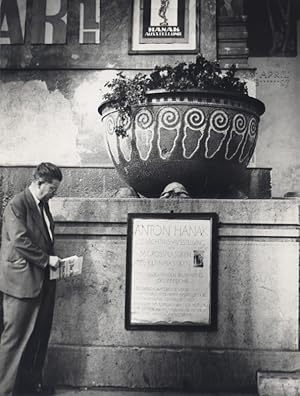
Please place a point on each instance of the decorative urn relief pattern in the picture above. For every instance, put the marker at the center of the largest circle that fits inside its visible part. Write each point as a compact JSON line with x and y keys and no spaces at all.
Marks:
{"x":203,"y":140}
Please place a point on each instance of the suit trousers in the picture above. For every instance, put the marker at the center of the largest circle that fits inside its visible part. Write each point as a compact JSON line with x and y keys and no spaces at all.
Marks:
{"x":24,"y":340}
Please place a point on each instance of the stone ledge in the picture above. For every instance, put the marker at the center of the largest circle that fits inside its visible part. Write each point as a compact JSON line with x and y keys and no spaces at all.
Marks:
{"x":130,"y":392}
{"x":104,"y":181}
{"x":285,"y":232}
{"x":164,"y":368}
{"x":231,"y":211}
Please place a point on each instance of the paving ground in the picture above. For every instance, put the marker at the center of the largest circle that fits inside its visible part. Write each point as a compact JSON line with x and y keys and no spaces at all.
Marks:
{"x":95,"y":392}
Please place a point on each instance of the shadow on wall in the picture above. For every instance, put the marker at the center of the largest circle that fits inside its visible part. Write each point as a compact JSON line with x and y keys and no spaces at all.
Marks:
{"x":69,"y":316}
{"x":87,"y":310}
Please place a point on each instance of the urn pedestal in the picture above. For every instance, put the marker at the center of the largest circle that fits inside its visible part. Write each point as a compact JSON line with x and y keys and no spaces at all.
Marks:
{"x":257,"y":300}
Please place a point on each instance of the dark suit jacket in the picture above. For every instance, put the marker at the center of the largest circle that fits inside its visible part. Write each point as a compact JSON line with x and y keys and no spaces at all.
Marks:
{"x":25,"y":247}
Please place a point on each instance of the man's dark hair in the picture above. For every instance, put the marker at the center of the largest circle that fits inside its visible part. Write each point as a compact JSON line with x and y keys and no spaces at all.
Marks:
{"x":47,"y":172}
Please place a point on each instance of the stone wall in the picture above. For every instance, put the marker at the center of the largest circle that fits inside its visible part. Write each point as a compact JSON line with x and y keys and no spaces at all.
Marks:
{"x":278,"y":86}
{"x":257,"y":305}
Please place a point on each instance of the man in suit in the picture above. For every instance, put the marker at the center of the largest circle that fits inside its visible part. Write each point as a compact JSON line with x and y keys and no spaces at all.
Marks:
{"x":28,"y":295}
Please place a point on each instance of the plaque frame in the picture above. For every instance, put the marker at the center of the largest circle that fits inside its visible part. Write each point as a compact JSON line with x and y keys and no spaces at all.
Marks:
{"x":210,"y":220}
{"x":189,"y":29}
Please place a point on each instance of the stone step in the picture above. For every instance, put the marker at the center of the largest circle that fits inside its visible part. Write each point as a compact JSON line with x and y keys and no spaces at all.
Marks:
{"x":104,"y":392}
{"x":278,"y":383}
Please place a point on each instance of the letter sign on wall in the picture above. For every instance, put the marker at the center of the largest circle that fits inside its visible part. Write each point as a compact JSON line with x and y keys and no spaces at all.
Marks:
{"x":49,"y":22}
{"x":89,"y":31}
{"x":12,"y":21}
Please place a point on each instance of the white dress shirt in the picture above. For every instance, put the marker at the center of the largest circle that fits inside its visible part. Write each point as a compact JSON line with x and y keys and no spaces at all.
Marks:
{"x":37,"y":201}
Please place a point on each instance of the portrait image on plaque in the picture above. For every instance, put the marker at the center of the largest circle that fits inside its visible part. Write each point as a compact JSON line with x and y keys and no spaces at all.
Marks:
{"x":164,"y":25}
{"x":171,"y":271}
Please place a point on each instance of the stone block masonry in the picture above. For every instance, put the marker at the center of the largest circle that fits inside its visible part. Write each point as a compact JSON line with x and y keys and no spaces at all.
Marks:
{"x":258,"y":250}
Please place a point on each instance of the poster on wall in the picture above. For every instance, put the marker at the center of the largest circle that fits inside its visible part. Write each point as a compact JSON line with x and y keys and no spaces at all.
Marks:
{"x":171,"y":271}
{"x":47,"y":22}
{"x":164,"y":26}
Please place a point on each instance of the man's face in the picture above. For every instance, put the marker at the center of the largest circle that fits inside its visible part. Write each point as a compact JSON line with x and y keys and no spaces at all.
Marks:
{"x":48,"y":190}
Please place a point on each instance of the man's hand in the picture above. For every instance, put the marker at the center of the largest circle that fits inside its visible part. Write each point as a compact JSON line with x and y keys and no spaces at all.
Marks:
{"x":54,"y":261}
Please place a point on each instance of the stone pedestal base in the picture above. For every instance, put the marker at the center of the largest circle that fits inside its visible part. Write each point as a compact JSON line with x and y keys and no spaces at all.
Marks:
{"x":257,"y":306}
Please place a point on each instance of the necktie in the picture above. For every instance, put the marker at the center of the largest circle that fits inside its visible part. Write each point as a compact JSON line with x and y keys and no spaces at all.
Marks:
{"x":41,"y":206}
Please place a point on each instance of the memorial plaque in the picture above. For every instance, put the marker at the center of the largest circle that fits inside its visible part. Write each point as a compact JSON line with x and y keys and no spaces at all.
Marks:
{"x":171,"y":271}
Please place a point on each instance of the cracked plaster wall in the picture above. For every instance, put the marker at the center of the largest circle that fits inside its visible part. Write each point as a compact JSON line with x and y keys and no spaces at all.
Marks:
{"x":51,"y":116}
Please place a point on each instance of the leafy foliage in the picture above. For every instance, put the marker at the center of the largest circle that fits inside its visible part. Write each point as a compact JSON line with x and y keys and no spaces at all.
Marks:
{"x":202,"y":74}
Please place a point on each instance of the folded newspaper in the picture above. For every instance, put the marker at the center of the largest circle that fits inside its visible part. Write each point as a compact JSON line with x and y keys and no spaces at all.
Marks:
{"x":69,"y":266}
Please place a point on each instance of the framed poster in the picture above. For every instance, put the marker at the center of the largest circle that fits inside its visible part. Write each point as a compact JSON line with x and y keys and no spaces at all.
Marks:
{"x":171,"y":271}
{"x":159,"y":26}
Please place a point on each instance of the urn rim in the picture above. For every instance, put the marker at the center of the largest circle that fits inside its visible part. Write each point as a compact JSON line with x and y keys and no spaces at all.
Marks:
{"x":260,"y":106}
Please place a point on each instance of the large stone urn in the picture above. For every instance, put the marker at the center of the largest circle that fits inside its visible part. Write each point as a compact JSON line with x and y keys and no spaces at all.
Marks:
{"x":201,"y":139}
